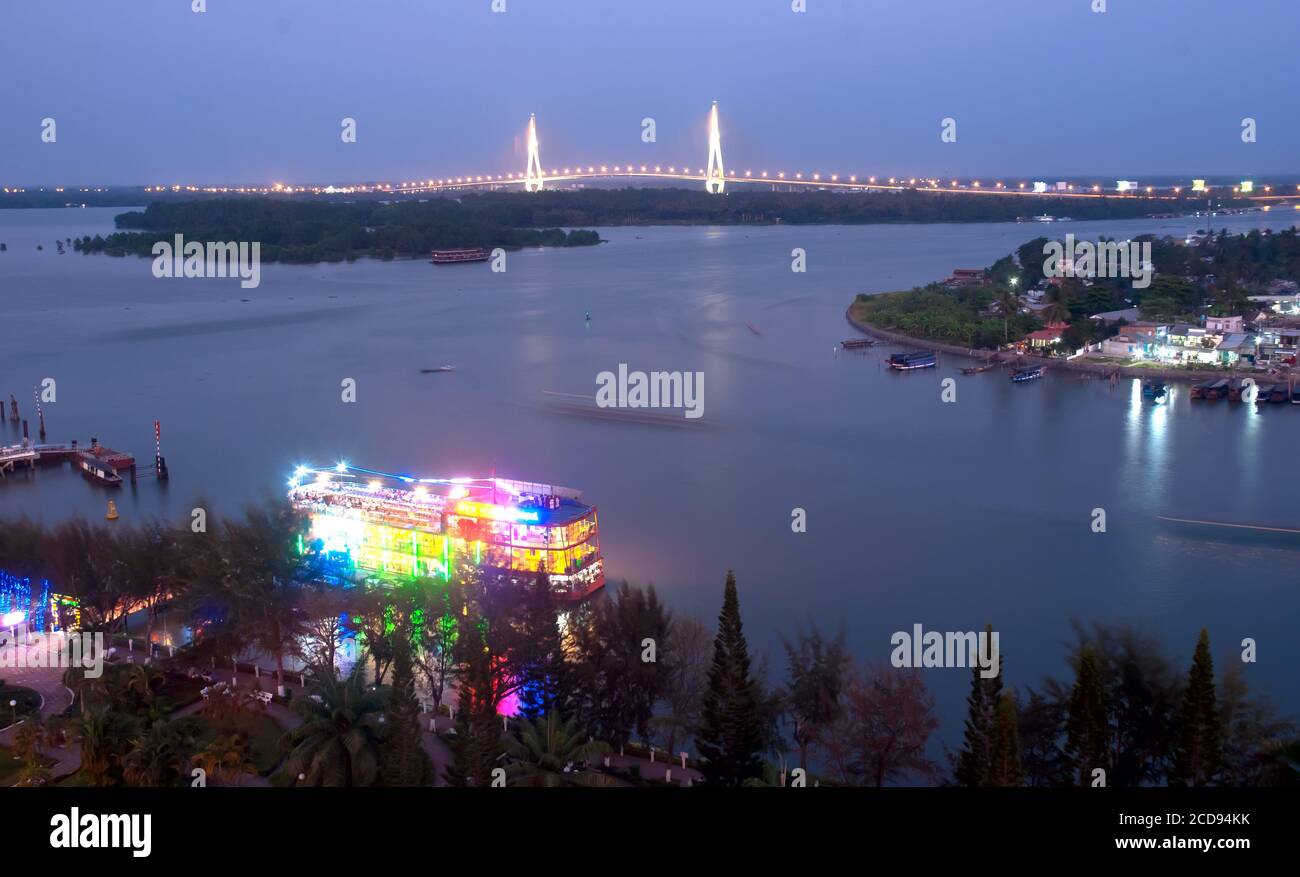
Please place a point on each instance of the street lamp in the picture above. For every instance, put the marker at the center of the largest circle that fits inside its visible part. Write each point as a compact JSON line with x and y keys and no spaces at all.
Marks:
{"x":13,"y":705}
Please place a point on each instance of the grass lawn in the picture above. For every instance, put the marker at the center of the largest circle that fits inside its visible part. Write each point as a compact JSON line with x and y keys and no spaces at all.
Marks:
{"x":262,"y":732}
{"x":28,"y":702}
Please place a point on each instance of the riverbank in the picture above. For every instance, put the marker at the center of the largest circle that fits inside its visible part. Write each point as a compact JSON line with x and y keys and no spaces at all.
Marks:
{"x":1025,"y":360}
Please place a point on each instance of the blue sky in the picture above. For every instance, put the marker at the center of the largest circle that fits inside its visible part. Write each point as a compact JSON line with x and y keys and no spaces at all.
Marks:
{"x":147,"y":91}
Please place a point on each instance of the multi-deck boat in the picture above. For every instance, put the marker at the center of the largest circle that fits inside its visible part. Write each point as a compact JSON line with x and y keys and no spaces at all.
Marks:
{"x":396,"y":528}
{"x":909,"y":361}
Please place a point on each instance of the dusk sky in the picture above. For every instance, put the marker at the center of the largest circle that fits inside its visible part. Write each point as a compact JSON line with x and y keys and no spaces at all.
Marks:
{"x":254,"y":91}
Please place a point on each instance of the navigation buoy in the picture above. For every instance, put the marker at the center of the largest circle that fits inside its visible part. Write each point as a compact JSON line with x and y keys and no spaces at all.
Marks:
{"x":112,"y":511}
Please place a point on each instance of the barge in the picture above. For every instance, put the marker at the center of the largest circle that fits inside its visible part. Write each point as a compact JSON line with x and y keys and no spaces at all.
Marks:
{"x":396,"y":528}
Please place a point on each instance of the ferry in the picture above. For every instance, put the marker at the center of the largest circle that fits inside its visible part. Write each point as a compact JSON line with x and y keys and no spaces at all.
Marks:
{"x":910,"y":361}
{"x":464,"y":254}
{"x":1025,"y":375}
{"x":98,"y":470}
{"x":396,"y":528}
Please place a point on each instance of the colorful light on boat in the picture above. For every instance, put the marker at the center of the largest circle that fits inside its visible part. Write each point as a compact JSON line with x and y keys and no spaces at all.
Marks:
{"x":398,"y":527}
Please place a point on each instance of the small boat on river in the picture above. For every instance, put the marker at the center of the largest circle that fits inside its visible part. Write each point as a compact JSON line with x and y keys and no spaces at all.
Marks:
{"x":1025,"y":375}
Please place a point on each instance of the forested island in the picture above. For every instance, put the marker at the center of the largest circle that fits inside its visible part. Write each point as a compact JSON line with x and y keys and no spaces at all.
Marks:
{"x":316,"y":231}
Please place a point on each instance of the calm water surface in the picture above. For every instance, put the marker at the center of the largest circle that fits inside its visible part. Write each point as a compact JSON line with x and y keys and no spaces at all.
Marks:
{"x":946,"y":515}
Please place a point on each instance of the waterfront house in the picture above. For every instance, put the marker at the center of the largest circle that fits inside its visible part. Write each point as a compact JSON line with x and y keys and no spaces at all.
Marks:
{"x":1225,"y":325}
{"x":968,"y":277}
{"x":1048,"y":336}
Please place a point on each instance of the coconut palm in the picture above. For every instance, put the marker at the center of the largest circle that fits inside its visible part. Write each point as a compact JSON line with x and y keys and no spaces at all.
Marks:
{"x":102,"y":735}
{"x":338,"y":742}
{"x":1009,"y":303}
{"x":227,"y":758}
{"x":546,"y":749}
{"x":157,"y":757}
{"x":1058,"y":305}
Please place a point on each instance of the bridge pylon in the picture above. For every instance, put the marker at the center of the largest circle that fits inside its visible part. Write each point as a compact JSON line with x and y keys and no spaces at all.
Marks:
{"x":533,"y":179}
{"x":715,"y":177}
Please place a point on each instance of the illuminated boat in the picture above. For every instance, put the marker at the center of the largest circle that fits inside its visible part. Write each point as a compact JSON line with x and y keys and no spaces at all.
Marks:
{"x":909,"y":361}
{"x":397,"y":528}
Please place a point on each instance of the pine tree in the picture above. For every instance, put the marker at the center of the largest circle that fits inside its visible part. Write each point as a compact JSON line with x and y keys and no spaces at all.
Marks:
{"x":973,"y":761}
{"x":1004,"y":745}
{"x":1198,"y":749}
{"x":403,"y":761}
{"x":1087,"y":731}
{"x":730,"y":738}
{"x":545,"y":672}
{"x":477,"y":747}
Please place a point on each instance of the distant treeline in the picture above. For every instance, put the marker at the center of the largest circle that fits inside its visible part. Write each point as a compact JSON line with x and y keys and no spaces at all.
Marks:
{"x":612,"y":207}
{"x":313,"y":231}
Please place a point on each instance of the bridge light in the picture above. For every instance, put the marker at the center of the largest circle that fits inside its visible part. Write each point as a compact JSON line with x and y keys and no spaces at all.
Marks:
{"x":747,"y":173}
{"x":834,"y":178}
{"x":591,"y":170}
{"x":642,"y":168}
{"x":891,"y":181}
{"x":781,"y":175}
{"x":871,"y":179}
{"x":853,"y":179}
{"x":656,"y":168}
{"x":798,"y":176}
{"x":672,"y":170}
{"x":912,"y":182}
{"x":604,"y":169}
{"x":1022,"y":185}
{"x":817,"y":176}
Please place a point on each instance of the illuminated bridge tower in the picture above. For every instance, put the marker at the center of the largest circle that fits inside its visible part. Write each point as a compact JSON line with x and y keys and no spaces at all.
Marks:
{"x":533,"y":175}
{"x":715,"y":178}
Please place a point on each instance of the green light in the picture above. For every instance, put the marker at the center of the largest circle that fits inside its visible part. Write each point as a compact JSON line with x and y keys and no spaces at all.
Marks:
{"x":446,"y":568}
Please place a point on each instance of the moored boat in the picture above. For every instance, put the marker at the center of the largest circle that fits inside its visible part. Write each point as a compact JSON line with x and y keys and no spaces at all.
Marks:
{"x":463,"y":254}
{"x":1217,"y":389}
{"x":855,"y":343}
{"x":1154,"y":389}
{"x":97,"y":470}
{"x":910,"y":361}
{"x":1263,"y":393}
{"x":1280,"y":393}
{"x":1025,"y":375}
{"x":978,"y":369}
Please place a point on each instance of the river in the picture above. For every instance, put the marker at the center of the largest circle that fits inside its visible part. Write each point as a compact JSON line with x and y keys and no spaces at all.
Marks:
{"x":948,"y":515}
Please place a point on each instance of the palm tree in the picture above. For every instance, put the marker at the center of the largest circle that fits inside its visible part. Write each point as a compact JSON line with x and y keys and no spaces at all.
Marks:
{"x":1058,"y":305}
{"x":157,"y":758}
{"x":226,"y":758}
{"x":338,"y":742}
{"x":1009,"y":303}
{"x":85,"y":686}
{"x":545,"y":750}
{"x":101,"y":735}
